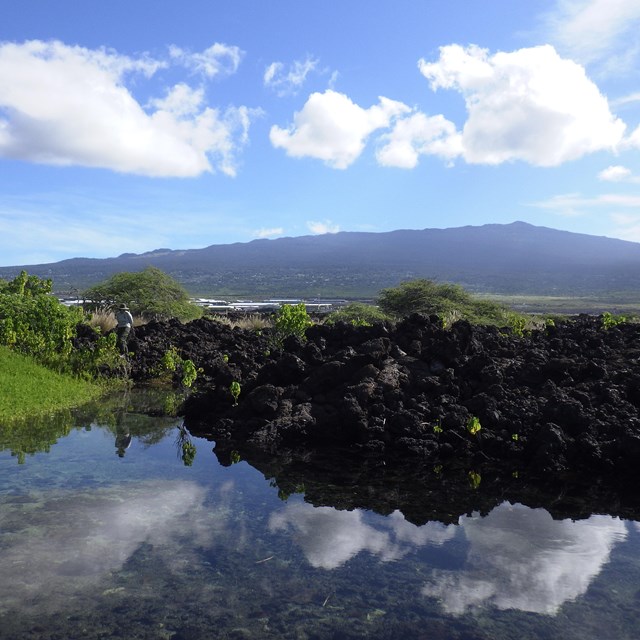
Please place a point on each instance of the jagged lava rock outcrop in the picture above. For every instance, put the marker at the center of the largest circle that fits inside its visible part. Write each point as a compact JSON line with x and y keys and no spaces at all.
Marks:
{"x":563,"y":398}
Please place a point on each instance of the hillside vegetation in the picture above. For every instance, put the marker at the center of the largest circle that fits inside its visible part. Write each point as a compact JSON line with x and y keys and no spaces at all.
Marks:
{"x":510,"y":259}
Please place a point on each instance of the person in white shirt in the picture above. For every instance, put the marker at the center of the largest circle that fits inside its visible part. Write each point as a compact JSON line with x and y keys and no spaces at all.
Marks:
{"x":125,"y":322}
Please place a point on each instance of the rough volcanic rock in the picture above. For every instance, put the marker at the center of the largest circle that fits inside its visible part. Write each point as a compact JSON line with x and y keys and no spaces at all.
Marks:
{"x":565,"y":398}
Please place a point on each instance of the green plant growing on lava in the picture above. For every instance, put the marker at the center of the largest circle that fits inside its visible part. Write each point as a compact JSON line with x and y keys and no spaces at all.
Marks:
{"x":235,"y":389}
{"x":517,"y":322}
{"x":291,"y":320}
{"x":473,"y":425}
{"x":609,"y":320}
{"x":171,"y":362}
{"x":189,"y":373}
{"x":474,"y":479}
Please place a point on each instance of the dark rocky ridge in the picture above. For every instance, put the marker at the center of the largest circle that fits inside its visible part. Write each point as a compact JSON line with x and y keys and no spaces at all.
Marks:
{"x":559,"y":403}
{"x":516,"y":258}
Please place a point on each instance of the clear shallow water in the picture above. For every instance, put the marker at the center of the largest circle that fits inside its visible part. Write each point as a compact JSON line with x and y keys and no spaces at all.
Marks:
{"x":99,"y":545}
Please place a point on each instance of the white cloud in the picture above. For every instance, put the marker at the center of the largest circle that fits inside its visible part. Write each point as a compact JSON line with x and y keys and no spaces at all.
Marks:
{"x":633,"y":141}
{"x":504,"y":569}
{"x":626,"y":226}
{"x":66,"y":105}
{"x":329,"y":538}
{"x":286,"y":81}
{"x":628,"y":99}
{"x":219,"y":59}
{"x":181,"y":100}
{"x":625,"y":223}
{"x":268,"y":232}
{"x":618,"y":173}
{"x":418,"y":135}
{"x":573,"y":201}
{"x":528,"y":105}
{"x":596,"y":30}
{"x":332,"y":128}
{"x":322,"y":227}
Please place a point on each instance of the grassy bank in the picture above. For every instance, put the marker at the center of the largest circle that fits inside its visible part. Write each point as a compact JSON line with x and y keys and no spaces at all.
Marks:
{"x":27,"y":389}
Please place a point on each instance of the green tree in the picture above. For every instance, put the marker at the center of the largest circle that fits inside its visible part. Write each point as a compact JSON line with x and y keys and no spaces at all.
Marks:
{"x":445,"y":300}
{"x":150,"y":293}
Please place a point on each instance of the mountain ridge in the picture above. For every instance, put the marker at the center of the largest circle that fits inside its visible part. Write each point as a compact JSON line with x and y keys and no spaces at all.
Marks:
{"x":493,"y":258}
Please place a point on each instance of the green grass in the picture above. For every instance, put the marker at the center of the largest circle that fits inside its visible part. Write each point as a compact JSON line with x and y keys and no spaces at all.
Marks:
{"x":28,"y":389}
{"x":615,"y":302}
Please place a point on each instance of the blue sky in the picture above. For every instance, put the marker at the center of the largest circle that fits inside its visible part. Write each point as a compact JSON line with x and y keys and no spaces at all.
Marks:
{"x":131,"y":125}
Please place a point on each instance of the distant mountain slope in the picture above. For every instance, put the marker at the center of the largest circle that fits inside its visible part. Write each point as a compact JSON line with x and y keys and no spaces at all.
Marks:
{"x":503,"y":259}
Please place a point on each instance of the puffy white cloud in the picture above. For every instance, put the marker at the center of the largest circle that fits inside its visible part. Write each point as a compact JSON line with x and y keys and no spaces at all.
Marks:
{"x":417,"y":135}
{"x":287,"y":81}
{"x":591,"y":30}
{"x":329,"y":537}
{"x":506,"y":570}
{"x":332,"y":128}
{"x":529,"y":105}
{"x":68,"y":105}
{"x":325,"y":226}
{"x":216,"y":60}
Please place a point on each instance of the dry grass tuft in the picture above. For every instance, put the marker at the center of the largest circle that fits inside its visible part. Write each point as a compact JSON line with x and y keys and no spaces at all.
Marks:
{"x":103,"y":319}
{"x":251,"y":322}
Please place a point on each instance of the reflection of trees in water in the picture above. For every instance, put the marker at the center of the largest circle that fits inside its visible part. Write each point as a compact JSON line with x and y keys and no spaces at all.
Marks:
{"x":148,"y":416}
{"x":27,"y":437}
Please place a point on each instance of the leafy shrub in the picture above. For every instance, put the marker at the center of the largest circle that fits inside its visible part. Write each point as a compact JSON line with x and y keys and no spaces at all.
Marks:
{"x":291,"y":320}
{"x":172,"y":363}
{"x":101,"y":356}
{"x":609,"y":320}
{"x":34,"y":322}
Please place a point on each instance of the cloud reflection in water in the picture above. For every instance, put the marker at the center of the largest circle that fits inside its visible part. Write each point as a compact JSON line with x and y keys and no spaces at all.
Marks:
{"x":520,"y":558}
{"x":330,"y":537}
{"x":51,"y":551}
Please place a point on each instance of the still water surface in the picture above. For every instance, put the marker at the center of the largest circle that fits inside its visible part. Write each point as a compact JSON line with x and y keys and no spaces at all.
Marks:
{"x":99,"y":545}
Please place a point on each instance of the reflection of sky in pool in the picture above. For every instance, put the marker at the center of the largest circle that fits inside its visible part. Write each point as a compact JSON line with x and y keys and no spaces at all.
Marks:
{"x":96,"y":545}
